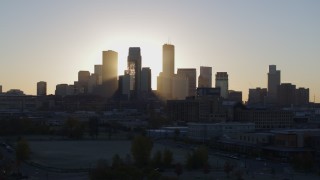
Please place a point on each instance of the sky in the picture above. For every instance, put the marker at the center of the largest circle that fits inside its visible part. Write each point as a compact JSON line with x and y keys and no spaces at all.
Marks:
{"x":45,"y":40}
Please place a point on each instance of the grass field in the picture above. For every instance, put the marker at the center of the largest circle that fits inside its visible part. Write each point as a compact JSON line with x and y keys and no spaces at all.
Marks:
{"x":84,"y":154}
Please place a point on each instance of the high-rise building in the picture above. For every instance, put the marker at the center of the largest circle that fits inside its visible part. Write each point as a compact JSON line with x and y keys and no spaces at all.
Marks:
{"x":83,"y":80}
{"x":93,"y":82}
{"x":302,"y":96}
{"x":222,"y":82}
{"x":0,"y":89}
{"x":191,"y":75}
{"x":273,"y":83}
{"x":124,"y":85}
{"x":168,"y":59}
{"x":61,"y":90}
{"x":257,"y":96}
{"x":205,"y":77}
{"x":109,"y":73}
{"x":98,"y":72}
{"x":41,"y":88}
{"x":180,"y":87}
{"x":164,"y":80}
{"x":134,"y":68}
{"x":146,"y":79}
{"x":286,"y":94}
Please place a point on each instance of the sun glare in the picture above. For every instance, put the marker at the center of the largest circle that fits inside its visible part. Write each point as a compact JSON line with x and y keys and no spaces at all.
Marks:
{"x":151,"y":52}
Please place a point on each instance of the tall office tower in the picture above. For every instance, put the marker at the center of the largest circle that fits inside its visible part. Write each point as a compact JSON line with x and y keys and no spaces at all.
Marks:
{"x":164,"y":80}
{"x":180,"y":87}
{"x":83,"y":80}
{"x":257,"y":96}
{"x":61,"y":90}
{"x":222,"y":82}
{"x":191,"y":75}
{"x":302,"y":96}
{"x":273,"y":83}
{"x":146,"y":79}
{"x":205,"y":77}
{"x":168,"y":59}
{"x":109,"y":73}
{"x":0,"y":89}
{"x":98,"y":72}
{"x":134,"y":68}
{"x":286,"y":94}
{"x":41,"y":88}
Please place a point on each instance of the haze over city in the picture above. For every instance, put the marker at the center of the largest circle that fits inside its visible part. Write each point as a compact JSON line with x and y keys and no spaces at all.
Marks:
{"x":53,"y":40}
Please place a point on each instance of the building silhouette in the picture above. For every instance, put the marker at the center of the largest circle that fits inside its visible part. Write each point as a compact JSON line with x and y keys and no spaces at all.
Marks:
{"x":0,"y":89}
{"x":273,"y":83}
{"x":302,"y":96}
{"x":98,"y":72}
{"x":222,"y":82}
{"x":41,"y":88}
{"x":146,"y":79}
{"x":134,"y":69}
{"x":286,"y":94}
{"x":83,"y":81}
{"x":191,"y":75}
{"x":168,"y":60}
{"x":109,"y":73}
{"x":257,"y":96}
{"x":180,"y":87}
{"x":61,"y":90}
{"x":205,"y":77}
{"x":235,"y":96}
{"x":164,"y":80}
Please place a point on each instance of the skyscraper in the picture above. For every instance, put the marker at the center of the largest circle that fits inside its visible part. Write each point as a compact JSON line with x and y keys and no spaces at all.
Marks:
{"x":83,"y":80}
{"x":286,"y":94}
{"x":134,"y":68}
{"x":273,"y":83}
{"x":180,"y":87}
{"x":191,"y":75}
{"x":98,"y":72}
{"x":61,"y":89}
{"x":109,"y":73}
{"x":164,"y":80}
{"x":222,"y":82}
{"x":205,"y":77}
{"x":0,"y":89}
{"x":146,"y":79}
{"x":41,"y":88}
{"x":168,"y":59}
{"x":257,"y":96}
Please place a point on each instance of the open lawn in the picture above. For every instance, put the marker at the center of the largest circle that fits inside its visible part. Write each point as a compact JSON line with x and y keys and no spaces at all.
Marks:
{"x":84,"y":154}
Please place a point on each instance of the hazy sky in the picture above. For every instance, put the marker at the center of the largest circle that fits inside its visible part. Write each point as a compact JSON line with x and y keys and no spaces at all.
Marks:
{"x":45,"y":40}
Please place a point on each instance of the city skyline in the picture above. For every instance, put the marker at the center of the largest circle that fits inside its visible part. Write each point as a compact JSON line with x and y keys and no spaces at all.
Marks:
{"x":232,"y":37}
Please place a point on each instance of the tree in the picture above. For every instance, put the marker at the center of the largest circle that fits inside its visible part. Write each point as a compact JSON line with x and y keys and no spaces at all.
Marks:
{"x":197,"y":159}
{"x":228,"y":167}
{"x":116,"y":161}
{"x":141,"y":147}
{"x":176,"y":134}
{"x":94,"y":127}
{"x":73,"y":128}
{"x":167,"y":158}
{"x":178,"y":169}
{"x":157,"y":159}
{"x":22,"y":151}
